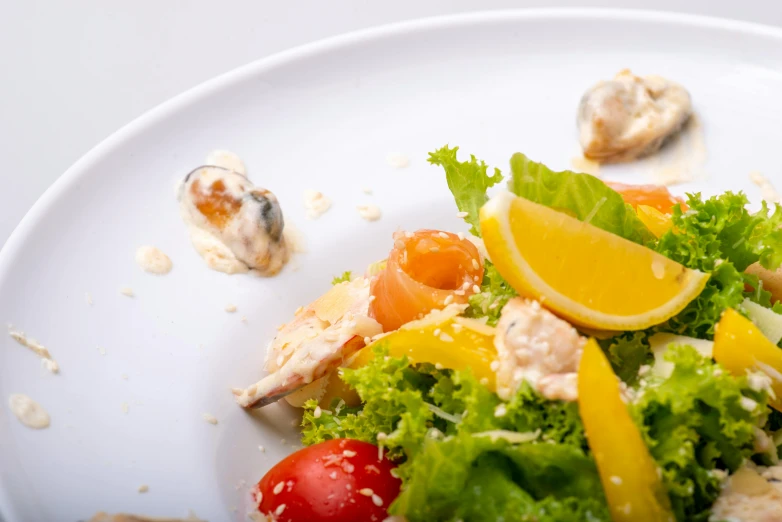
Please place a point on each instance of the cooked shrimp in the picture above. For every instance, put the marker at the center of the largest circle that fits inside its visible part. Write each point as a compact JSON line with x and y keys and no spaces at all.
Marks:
{"x":319,"y":340}
{"x":426,"y":270}
{"x":535,"y":345}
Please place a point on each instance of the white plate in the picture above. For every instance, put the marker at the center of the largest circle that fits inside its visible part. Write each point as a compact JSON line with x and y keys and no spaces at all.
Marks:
{"x":324,"y":117}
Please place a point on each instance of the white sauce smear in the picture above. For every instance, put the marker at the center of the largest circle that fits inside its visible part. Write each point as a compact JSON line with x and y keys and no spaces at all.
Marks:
{"x":29,"y":412}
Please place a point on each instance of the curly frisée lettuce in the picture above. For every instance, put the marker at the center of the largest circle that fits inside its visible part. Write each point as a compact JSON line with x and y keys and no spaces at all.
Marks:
{"x":719,"y":235}
{"x":411,"y":411}
{"x":468,"y":181}
{"x":697,"y":420}
{"x":474,"y":477}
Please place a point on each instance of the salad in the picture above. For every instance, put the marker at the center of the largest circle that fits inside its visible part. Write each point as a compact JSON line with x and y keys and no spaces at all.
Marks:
{"x":589,"y":351}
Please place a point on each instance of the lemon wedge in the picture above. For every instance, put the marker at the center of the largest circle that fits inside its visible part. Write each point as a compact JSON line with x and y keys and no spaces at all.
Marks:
{"x":589,"y":276}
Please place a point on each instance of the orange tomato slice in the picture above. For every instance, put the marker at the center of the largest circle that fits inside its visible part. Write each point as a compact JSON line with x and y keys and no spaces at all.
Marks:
{"x":426,"y":270}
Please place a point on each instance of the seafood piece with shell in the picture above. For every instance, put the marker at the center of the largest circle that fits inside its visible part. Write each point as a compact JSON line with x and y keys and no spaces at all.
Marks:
{"x":630,"y":116}
{"x":235,"y":226}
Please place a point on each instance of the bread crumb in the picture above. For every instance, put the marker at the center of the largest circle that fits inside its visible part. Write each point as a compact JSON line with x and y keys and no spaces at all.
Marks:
{"x":88,"y":298}
{"x":143,"y":488}
{"x":211,"y":419}
{"x":244,"y":319}
{"x":366,"y":190}
{"x":230,"y":308}
{"x":101,"y":350}
{"x":127,"y":291}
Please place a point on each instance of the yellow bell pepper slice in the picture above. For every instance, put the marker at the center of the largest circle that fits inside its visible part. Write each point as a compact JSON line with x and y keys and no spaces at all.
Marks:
{"x":657,"y":222}
{"x":739,"y":346}
{"x":456,"y":343}
{"x":627,"y":470}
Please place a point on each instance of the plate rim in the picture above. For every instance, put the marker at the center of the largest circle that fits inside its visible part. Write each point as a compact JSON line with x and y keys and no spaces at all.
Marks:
{"x":37,"y":212}
{"x":328,"y":44}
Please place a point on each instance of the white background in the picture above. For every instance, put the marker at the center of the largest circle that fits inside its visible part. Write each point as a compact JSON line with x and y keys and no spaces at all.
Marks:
{"x":75,"y":71}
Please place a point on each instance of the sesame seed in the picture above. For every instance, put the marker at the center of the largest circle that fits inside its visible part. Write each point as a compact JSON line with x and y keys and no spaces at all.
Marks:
{"x":317,"y":412}
{"x":434,"y":249}
{"x":127,"y":291}
{"x":616,"y":480}
{"x":367,"y":340}
{"x":438,"y":366}
{"x":366,"y":190}
{"x":230,"y":308}
{"x":460,"y":235}
{"x":261,"y":449}
{"x":349,"y":453}
{"x":279,"y":509}
{"x":446,"y":338}
{"x":211,"y":419}
{"x":367,"y":492}
{"x":461,"y":214}
{"x":376,"y":500}
{"x":278,"y":488}
{"x":476,"y":289}
{"x":448,"y":300}
{"x":443,"y":235}
{"x":458,"y":292}
{"x":408,"y":235}
{"x":372,"y":297}
{"x":437,"y":332}
{"x":475,"y":264}
{"x":333,"y":475}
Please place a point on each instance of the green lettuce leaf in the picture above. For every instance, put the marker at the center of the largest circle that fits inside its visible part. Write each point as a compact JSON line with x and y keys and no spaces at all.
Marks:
{"x":627,"y":352}
{"x":721,"y":229}
{"x":694,"y":422}
{"x":449,"y":479}
{"x":495,"y":293}
{"x":718,"y":235}
{"x":582,"y":196}
{"x":345,"y":277}
{"x":468,"y":181}
{"x":394,"y":402}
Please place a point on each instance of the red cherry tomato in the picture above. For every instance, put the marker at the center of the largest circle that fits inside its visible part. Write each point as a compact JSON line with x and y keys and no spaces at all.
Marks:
{"x":340,"y":480}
